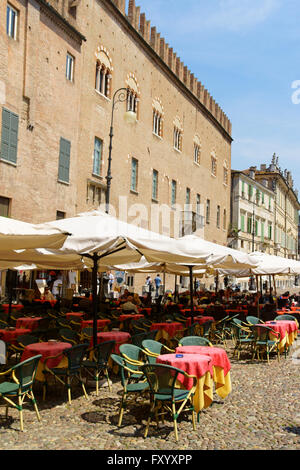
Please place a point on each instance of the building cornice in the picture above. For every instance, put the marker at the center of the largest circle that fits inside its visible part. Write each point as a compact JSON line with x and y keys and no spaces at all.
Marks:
{"x":55,"y":16}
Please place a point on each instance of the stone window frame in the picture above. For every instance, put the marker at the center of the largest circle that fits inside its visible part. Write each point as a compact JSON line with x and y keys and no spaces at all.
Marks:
{"x":133,"y":95}
{"x":213,"y":164}
{"x":158,"y":116}
{"x":177,"y":134}
{"x":13,"y":34}
{"x":70,"y":67}
{"x":104,"y":71}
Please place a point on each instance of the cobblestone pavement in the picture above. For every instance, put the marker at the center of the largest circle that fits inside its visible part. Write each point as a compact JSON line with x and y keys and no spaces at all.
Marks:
{"x":262,"y":412}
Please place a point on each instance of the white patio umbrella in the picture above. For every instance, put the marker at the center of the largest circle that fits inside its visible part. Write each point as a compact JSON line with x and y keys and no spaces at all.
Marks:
{"x":15,"y":234}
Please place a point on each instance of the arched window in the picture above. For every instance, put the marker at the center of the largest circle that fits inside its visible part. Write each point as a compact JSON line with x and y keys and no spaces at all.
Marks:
{"x":213,"y":164}
{"x":197,"y":150}
{"x":133,"y":94}
{"x":177,"y":134}
{"x":157,"y":117}
{"x":103,"y":72}
{"x":225,"y":173}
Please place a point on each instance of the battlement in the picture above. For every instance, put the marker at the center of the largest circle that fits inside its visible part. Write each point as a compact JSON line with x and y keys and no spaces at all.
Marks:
{"x":152,"y":37}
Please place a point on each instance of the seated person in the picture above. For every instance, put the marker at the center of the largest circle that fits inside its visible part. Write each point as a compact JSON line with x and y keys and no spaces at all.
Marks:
{"x":129,"y":306}
{"x":48,"y":294}
{"x":136,"y":300}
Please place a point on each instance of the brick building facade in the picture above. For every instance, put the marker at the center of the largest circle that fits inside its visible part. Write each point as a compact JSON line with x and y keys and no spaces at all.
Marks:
{"x":60,"y":64}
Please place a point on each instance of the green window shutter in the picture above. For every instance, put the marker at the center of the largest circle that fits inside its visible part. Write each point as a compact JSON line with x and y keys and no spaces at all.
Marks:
{"x":9,"y":136}
{"x":64,"y":160}
{"x":242,"y":223}
{"x":256,"y":228}
{"x":262,"y":231}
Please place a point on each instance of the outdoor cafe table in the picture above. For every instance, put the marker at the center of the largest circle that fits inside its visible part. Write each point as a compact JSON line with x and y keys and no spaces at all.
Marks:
{"x":102,"y":324}
{"x":120,"y":337}
{"x":199,"y":365}
{"x":31,"y":323}
{"x":78,"y":315}
{"x":10,"y":335}
{"x":220,"y":363}
{"x":146,"y":309}
{"x":199,"y":320}
{"x":13,"y":307}
{"x":166,"y":330}
{"x":47,"y":349}
{"x":288,"y":331}
{"x":129,"y":316}
{"x":42,"y":301}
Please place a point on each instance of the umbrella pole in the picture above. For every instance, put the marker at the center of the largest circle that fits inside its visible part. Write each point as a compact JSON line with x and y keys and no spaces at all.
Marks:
{"x":275,"y":291}
{"x":10,"y":291}
{"x":257,"y":296}
{"x":191,"y":292}
{"x":95,"y":297}
{"x":175,"y":290}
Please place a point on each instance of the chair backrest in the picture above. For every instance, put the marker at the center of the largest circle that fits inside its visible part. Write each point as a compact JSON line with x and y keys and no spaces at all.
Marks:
{"x":68,"y":335}
{"x":25,"y":372}
{"x":252,"y":320}
{"x":138,"y":339}
{"x":125,"y":368}
{"x":75,"y":355}
{"x":2,"y":352}
{"x":130,"y":351}
{"x":161,"y":378}
{"x":194,"y":341}
{"x":87,"y":332}
{"x":261,"y":332}
{"x":152,"y":346}
{"x":24,"y":340}
{"x":151,"y":334}
{"x":285,"y":317}
{"x":207,"y":326}
{"x":103,"y":351}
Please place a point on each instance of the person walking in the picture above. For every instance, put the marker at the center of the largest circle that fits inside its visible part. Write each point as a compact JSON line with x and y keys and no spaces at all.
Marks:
{"x":157,"y":282}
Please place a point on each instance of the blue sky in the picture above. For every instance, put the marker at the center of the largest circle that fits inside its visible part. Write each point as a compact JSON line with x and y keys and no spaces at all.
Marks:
{"x":246,"y":53}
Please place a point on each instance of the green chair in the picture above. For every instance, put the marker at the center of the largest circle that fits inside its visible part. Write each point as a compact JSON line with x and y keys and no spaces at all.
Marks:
{"x":251,"y":320}
{"x":219,"y":332}
{"x":262,"y":341}
{"x":63,"y":323}
{"x":194,"y":341}
{"x":205,"y":328}
{"x":133,"y":355}
{"x":3,"y":325}
{"x":75,"y":356}
{"x":70,"y":336}
{"x":153,"y":348}
{"x":23,"y":375}
{"x":138,"y":339}
{"x":86,"y":334}
{"x":286,"y":317}
{"x":132,"y":387}
{"x":21,"y":342}
{"x":242,"y":337}
{"x":99,"y":362}
{"x":164,"y":394}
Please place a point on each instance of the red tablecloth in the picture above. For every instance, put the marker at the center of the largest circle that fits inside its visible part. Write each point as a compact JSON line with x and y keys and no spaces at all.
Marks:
{"x":28,"y":322}
{"x":218,"y":355}
{"x":197,"y":311}
{"x":101,"y":323}
{"x":192,"y":364}
{"x":46,"y":349}
{"x":199,"y":320}
{"x":147,"y":310}
{"x":283,"y":327}
{"x":170,"y":328}
{"x":134,"y":316}
{"x":10,"y":336}
{"x":120,"y":337}
{"x":79,"y":315}
{"x":13,"y":307}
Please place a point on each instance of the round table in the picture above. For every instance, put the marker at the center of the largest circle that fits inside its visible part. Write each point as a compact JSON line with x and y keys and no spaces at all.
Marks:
{"x":102,"y":324}
{"x":120,"y":337}
{"x":166,"y":330}
{"x":10,"y":336}
{"x":199,"y":320}
{"x":78,"y":315}
{"x":193,"y":364}
{"x":220,"y":362}
{"x":52,"y":302}
{"x":146,"y":309}
{"x":30,"y":323}
{"x":287,"y":329}
{"x":135,"y":316}
{"x":47,"y":349}
{"x":13,"y":307}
